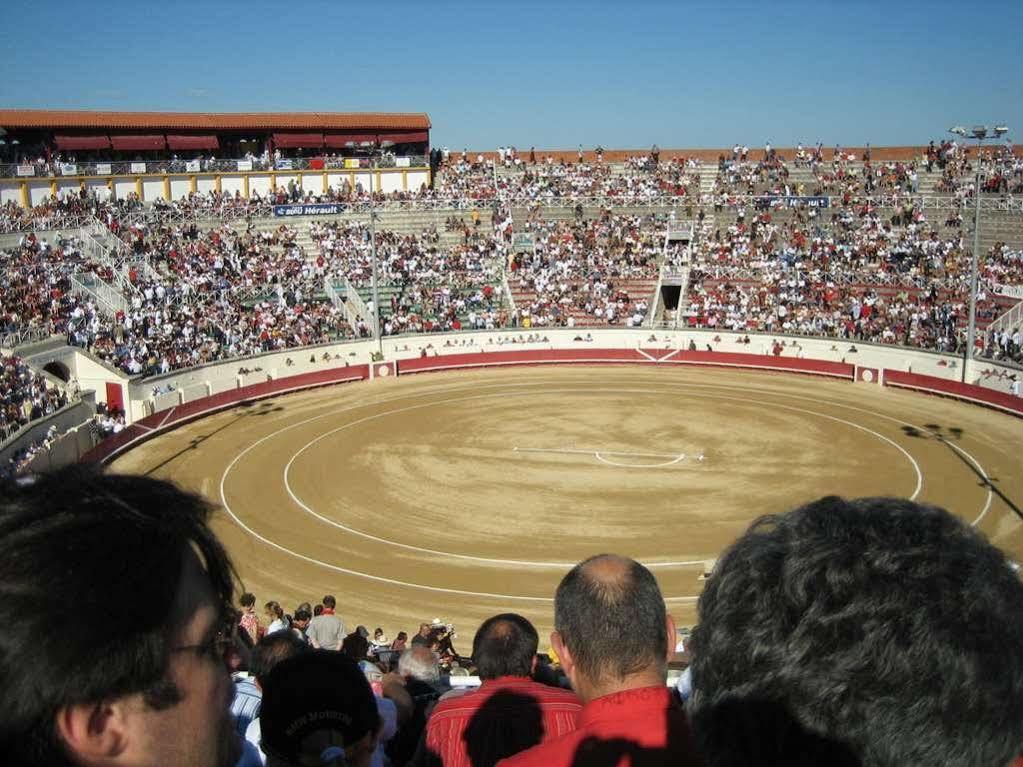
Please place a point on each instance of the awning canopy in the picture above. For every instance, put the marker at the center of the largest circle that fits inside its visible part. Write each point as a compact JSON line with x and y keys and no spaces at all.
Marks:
{"x":298,"y":140}
{"x":341,"y":140}
{"x":78,"y":143}
{"x":408,"y":137}
{"x":138,"y":143}
{"x":193,"y":142}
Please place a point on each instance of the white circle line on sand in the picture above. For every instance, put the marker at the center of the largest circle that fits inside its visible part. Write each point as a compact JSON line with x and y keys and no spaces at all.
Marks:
{"x":984,"y":475}
{"x":422,"y":549}
{"x":529,"y":563}
{"x":675,"y":457}
{"x":599,"y":457}
{"x":508,"y":384}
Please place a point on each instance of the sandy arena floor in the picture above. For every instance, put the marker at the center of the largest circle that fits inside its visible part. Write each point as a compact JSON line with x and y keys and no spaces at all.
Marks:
{"x":459,"y":495}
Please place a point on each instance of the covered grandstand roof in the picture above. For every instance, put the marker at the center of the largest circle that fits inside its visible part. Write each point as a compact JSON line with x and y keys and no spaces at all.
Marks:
{"x":70,"y":119}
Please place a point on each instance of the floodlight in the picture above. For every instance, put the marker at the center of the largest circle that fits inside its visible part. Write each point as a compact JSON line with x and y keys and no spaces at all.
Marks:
{"x":979,"y":131}
{"x":959,"y":130}
{"x":1001,"y":130}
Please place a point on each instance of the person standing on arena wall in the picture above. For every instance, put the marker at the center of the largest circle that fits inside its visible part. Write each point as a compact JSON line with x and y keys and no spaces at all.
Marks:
{"x":326,"y":630}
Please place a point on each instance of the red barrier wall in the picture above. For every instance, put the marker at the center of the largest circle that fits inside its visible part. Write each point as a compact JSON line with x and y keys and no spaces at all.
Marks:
{"x":176,"y":416}
{"x":942,"y":386}
{"x":619,"y":356}
{"x":173,"y":417}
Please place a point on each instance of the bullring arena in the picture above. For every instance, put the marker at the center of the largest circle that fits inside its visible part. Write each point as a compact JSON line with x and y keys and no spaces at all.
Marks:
{"x":462,"y":494}
{"x":429,"y":382}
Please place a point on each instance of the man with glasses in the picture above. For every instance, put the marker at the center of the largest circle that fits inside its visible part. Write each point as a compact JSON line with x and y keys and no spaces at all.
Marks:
{"x":138,"y":674}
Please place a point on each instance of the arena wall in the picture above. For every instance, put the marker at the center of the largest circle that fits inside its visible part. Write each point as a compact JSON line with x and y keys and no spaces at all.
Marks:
{"x":192,"y":384}
{"x":201,"y":391}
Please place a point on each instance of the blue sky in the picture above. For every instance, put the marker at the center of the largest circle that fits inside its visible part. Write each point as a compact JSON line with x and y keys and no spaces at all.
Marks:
{"x":553,"y":74}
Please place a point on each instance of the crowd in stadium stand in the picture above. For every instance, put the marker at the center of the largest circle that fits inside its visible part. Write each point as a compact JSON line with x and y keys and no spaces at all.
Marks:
{"x":435,"y":286}
{"x":587,"y":270}
{"x":259,"y":685}
{"x":25,"y":396}
{"x":642,"y":179}
{"x":860,"y":275}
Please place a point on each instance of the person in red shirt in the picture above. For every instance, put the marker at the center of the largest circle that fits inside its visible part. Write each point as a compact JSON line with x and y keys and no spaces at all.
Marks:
{"x":614,"y":638}
{"x":509,"y":712}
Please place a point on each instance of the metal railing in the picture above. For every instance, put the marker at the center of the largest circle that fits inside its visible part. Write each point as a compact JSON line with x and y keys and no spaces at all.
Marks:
{"x":108,"y":300}
{"x":354,"y":300}
{"x":12,"y":339}
{"x":234,"y":165}
{"x":341,"y":302}
{"x":1012,"y":291}
{"x":229,"y":210}
{"x":1010,"y":321}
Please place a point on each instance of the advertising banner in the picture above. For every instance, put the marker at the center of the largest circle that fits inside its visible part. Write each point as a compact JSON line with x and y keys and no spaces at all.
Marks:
{"x":793,"y":201}
{"x":138,"y":167}
{"x":26,"y":170}
{"x":103,"y":169}
{"x":68,"y":169}
{"x":193,"y":166}
{"x":245,"y":165}
{"x":318,"y":209}
{"x":284,"y":164}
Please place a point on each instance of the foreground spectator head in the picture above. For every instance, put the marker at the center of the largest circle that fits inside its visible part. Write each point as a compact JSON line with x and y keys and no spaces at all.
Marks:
{"x":877,"y":631}
{"x":137,"y":673}
{"x":505,"y":645}
{"x":318,"y":709}
{"x":611,"y":635}
{"x":509,"y":713}
{"x":611,"y":627}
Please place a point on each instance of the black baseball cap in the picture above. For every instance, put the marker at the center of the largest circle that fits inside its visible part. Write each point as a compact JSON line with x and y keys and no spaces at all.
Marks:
{"x":315,"y":692}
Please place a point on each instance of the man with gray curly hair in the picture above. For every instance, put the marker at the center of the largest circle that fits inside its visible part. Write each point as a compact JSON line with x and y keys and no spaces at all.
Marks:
{"x":874,"y":632}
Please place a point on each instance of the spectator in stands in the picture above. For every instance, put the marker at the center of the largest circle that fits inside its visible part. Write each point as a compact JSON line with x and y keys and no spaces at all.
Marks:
{"x":356,"y":644}
{"x":871,"y":632}
{"x":138,"y":674}
{"x":509,"y":712}
{"x":301,"y":623}
{"x":422,"y":639}
{"x":278,"y":620}
{"x":318,"y":709}
{"x":271,"y":650}
{"x":614,"y":638}
{"x":419,"y":668}
{"x":249,"y":621}
{"x":326,"y":631}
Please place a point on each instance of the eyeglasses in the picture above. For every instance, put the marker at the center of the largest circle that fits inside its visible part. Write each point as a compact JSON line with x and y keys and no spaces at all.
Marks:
{"x":217,"y":647}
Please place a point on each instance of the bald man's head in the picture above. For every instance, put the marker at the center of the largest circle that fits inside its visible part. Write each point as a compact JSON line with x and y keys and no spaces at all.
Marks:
{"x":505,"y":645}
{"x":610,"y":614}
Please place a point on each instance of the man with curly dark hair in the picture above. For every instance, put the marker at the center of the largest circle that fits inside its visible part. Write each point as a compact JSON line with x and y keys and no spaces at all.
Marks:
{"x":137,"y":672}
{"x":874,"y":632}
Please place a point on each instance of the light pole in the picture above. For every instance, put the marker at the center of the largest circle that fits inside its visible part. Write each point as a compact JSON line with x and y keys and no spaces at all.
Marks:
{"x":373,"y":260}
{"x":979,"y":132}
